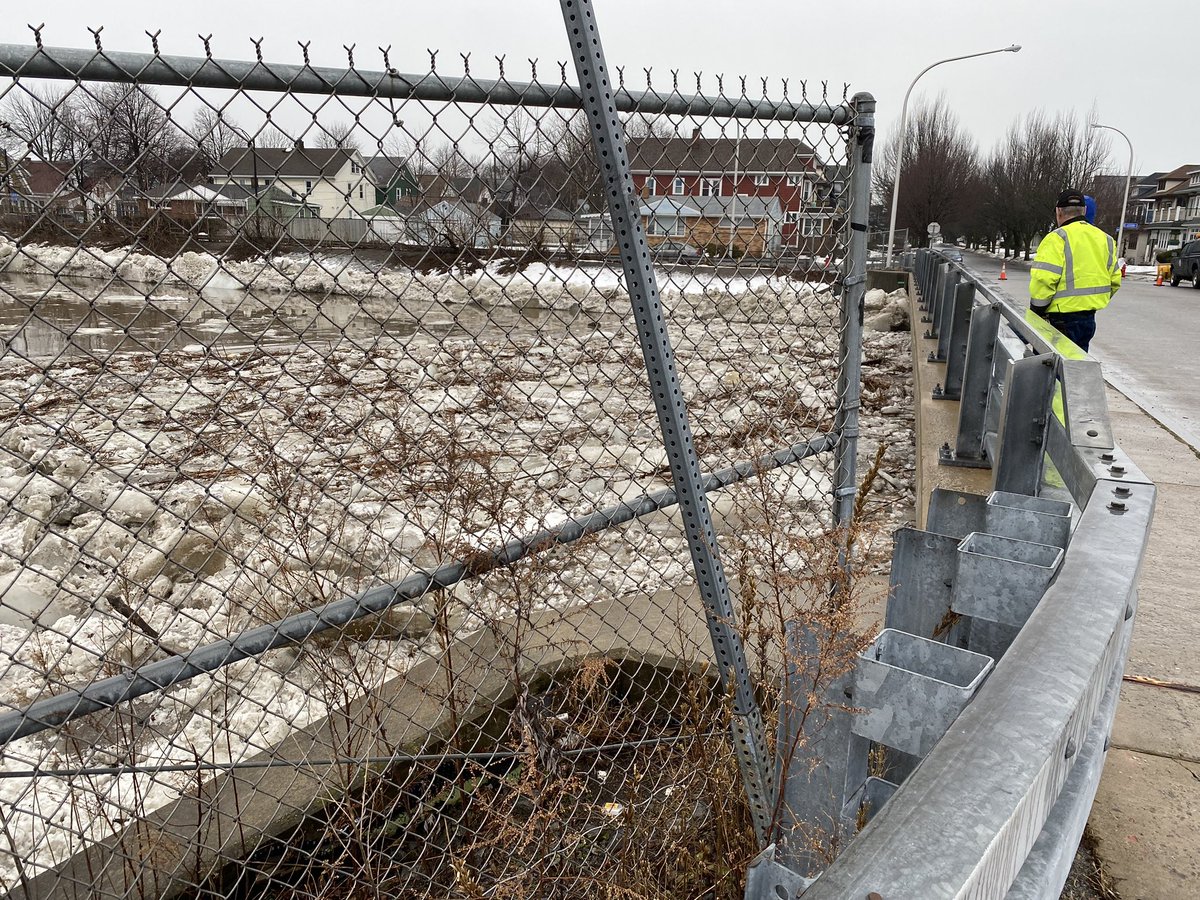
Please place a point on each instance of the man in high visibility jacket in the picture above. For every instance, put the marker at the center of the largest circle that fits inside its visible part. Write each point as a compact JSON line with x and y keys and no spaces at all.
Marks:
{"x":1075,"y":272}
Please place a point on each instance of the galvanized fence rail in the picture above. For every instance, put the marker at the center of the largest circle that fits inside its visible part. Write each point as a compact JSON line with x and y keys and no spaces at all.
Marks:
{"x":338,"y":543}
{"x":981,"y":715}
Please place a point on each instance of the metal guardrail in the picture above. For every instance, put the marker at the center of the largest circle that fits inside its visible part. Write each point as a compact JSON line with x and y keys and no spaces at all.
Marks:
{"x":997,"y":806}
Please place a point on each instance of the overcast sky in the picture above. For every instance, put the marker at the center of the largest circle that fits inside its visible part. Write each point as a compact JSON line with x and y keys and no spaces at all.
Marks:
{"x":1074,"y":55}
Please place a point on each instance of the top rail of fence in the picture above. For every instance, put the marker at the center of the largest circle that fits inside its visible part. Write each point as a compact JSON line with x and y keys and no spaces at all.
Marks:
{"x":21,"y":61}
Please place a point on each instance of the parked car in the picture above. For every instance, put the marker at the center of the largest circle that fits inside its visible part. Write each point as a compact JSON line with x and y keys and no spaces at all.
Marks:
{"x":676,"y":251}
{"x":951,"y":252}
{"x":1185,"y":265}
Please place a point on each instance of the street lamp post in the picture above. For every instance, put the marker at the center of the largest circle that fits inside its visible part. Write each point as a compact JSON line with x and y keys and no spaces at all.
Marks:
{"x":1128,"y":181}
{"x":1015,"y":48}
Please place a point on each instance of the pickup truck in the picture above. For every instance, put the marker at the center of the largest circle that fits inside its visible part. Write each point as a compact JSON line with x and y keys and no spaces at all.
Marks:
{"x":1185,"y":265}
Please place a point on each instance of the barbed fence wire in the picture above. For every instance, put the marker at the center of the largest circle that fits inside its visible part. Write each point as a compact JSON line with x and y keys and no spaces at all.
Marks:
{"x":341,"y":544}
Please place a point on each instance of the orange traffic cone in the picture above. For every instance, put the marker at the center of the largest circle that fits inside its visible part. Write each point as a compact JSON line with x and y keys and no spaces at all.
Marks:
{"x":1003,"y":274}
{"x":1158,"y":281}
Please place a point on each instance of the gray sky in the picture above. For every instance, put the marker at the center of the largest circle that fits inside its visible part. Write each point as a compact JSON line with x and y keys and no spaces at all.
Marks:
{"x":874,"y":45}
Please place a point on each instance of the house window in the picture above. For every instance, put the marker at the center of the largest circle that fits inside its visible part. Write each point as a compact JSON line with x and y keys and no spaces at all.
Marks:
{"x":1194,"y":181}
{"x":807,"y":191}
{"x":792,"y":217}
{"x":680,"y":228}
{"x":677,"y":186}
{"x":360,"y":192}
{"x":762,"y":180}
{"x":810,"y":226}
{"x":1193,"y":207}
{"x":710,"y":187}
{"x":793,"y":180}
{"x":308,"y":187}
{"x":355,"y":168}
{"x":651,"y":187}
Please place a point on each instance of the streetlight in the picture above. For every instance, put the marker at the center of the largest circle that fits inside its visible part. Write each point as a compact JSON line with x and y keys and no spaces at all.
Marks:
{"x":1128,"y":181}
{"x":1015,"y":48}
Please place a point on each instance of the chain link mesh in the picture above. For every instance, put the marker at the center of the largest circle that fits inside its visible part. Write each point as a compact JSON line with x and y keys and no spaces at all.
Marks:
{"x":337,"y":553}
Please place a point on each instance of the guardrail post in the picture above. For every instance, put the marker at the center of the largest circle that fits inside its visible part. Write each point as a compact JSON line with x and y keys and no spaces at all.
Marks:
{"x":813,"y":757}
{"x":1028,"y":393}
{"x":977,"y":376}
{"x":937,"y":281}
{"x":942,"y":315}
{"x":952,"y":346}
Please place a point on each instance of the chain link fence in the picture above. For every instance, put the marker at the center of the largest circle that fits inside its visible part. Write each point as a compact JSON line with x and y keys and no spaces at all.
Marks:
{"x":341,"y":549}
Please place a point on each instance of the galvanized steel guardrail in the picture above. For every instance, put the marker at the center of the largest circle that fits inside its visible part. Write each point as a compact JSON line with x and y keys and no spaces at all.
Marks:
{"x":1041,"y":577}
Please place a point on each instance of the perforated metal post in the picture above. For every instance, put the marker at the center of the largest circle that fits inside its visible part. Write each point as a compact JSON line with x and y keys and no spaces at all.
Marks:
{"x":608,"y":140}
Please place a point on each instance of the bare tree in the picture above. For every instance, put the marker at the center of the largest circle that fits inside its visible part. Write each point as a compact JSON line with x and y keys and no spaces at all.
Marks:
{"x":271,"y":137}
{"x":42,"y":121}
{"x":940,"y":166}
{"x":128,"y":132}
{"x":1039,"y":157}
{"x":215,"y":134}
{"x":447,"y":159}
{"x":336,"y":136}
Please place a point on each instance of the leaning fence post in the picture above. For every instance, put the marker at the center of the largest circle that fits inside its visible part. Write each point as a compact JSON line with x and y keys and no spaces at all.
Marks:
{"x":608,"y":140}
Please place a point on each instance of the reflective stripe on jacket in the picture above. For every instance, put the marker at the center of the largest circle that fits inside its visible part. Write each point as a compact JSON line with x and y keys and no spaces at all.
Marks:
{"x":1075,"y":270}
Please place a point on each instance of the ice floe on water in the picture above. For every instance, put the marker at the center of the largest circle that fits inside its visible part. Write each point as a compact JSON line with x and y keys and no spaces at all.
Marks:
{"x":155,"y":501}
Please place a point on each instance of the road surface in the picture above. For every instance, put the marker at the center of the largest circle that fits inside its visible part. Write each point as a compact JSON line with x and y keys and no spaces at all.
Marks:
{"x":1148,"y":340}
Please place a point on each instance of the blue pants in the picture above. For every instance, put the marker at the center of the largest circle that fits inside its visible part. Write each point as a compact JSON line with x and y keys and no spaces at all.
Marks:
{"x":1079,"y":327}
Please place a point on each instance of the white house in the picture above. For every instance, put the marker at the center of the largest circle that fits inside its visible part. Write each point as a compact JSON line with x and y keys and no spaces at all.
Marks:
{"x":337,"y":183}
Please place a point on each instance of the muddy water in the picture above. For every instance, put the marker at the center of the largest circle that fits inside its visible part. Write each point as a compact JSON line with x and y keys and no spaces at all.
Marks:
{"x":46,"y":318}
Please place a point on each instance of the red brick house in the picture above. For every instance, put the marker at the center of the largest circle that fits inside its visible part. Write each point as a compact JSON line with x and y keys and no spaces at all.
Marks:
{"x":784,"y":168}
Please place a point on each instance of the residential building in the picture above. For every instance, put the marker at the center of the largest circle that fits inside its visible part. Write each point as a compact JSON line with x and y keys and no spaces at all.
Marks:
{"x":784,"y":169}
{"x":1137,"y":238}
{"x":29,"y":186}
{"x":1173,"y":209}
{"x":453,"y":224}
{"x":750,"y":225}
{"x":537,"y":225}
{"x":394,"y":180}
{"x":336,"y":184}
{"x":436,"y":187}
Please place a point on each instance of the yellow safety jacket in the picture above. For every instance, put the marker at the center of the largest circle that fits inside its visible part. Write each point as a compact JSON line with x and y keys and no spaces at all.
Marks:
{"x":1075,"y":270}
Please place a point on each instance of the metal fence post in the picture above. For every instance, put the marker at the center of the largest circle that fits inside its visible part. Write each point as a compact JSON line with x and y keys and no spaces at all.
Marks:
{"x":862,"y":137}
{"x":608,"y":140}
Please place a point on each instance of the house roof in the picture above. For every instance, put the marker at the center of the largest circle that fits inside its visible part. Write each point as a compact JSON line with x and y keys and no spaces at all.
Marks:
{"x":1179,"y":174}
{"x":46,"y":177}
{"x":535,"y":211}
{"x":293,"y":162}
{"x":436,"y":186}
{"x":676,"y":154}
{"x":387,"y":169}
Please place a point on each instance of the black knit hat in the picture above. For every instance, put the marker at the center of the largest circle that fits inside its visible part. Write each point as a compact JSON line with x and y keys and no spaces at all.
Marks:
{"x":1070,"y":198}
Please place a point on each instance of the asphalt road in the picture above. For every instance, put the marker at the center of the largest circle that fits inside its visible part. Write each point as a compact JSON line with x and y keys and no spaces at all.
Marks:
{"x":1148,"y":340}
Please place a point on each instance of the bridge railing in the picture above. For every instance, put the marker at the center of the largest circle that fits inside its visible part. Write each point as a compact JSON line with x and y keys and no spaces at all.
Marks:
{"x":996,"y":806}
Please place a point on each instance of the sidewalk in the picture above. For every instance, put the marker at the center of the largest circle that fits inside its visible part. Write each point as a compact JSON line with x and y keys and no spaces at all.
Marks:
{"x":1146,"y":817}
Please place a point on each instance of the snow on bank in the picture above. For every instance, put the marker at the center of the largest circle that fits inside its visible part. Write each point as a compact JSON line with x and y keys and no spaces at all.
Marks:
{"x":595,"y":288}
{"x":153,"y":503}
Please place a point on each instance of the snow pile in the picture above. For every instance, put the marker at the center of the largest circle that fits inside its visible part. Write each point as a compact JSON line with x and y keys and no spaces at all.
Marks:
{"x":152,"y":503}
{"x":597,"y":289}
